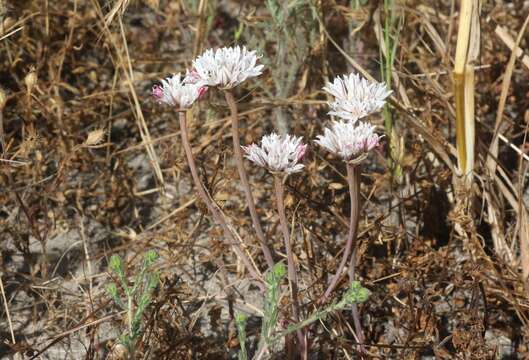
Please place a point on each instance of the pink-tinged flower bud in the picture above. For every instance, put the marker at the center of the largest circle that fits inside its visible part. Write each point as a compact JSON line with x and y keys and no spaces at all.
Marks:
{"x":278,"y":153}
{"x":192,"y":77}
{"x":372,"y":142}
{"x":302,"y":150}
{"x":157,"y":92}
{"x":202,"y":91}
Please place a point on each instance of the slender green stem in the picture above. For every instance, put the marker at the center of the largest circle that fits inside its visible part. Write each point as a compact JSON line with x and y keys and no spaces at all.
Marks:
{"x":354,"y":295}
{"x":129,"y":313}
{"x":389,"y":58}
{"x":244,"y":177}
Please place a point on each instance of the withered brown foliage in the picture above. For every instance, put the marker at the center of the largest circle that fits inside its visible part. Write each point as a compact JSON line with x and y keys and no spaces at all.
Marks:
{"x":91,"y":166}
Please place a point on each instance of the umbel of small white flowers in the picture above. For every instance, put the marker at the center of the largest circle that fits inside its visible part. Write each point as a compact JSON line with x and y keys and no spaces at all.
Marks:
{"x":348,"y":140}
{"x":356,"y":97}
{"x":225,"y":67}
{"x":278,"y":154}
{"x":175,"y":92}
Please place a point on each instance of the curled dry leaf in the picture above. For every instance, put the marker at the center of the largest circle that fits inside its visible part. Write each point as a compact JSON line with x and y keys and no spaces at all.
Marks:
{"x":94,"y":137}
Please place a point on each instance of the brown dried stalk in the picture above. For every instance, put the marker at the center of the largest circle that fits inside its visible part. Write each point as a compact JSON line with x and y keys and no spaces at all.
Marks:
{"x":244,"y":177}
{"x":500,"y":245}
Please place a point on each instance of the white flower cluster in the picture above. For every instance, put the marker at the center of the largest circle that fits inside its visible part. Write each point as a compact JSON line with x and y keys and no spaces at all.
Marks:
{"x":348,"y":140}
{"x":356,"y":97}
{"x":225,"y":68}
{"x":278,"y":153}
{"x":175,"y":92}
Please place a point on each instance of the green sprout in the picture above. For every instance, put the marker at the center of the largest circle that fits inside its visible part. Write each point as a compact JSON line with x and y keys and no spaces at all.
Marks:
{"x":137,"y":297}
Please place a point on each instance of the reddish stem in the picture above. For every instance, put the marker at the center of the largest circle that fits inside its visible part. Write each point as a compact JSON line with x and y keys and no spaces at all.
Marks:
{"x":244,"y":177}
{"x":217,"y":214}
{"x":353,"y":180}
{"x":292,"y":277}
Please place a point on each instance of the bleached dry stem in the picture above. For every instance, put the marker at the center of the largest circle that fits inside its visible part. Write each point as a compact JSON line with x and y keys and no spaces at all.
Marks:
{"x":6,"y":307}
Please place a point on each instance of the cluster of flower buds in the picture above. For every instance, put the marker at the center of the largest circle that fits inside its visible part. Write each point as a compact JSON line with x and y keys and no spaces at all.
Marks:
{"x":349,"y":141}
{"x":278,"y":154}
{"x":224,"y":68}
{"x":355,"y":98}
{"x":174,"y":91}
{"x":349,"y":138}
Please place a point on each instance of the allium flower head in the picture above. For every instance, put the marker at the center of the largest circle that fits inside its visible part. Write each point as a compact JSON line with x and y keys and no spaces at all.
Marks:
{"x":175,"y":92}
{"x":225,"y":67}
{"x":356,"y":97}
{"x":348,"y":140}
{"x":278,"y":153}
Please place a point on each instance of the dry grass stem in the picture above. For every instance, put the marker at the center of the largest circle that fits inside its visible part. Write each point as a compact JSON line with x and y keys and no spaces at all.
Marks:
{"x":467,"y":51}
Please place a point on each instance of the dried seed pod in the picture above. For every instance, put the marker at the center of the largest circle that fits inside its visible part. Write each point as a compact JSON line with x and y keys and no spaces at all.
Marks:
{"x":7,"y":24}
{"x":31,"y":79}
{"x":3,"y":99}
{"x":94,"y":137}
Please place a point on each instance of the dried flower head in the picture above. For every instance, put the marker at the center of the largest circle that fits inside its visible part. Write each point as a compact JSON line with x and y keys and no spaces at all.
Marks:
{"x":31,"y":79}
{"x":94,"y":137}
{"x":347,"y":140}
{"x":356,"y":97}
{"x":226,"y":67}
{"x":278,"y":153}
{"x":175,"y":92}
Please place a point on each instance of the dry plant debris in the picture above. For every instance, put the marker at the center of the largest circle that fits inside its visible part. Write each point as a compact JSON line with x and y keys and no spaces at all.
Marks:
{"x":91,"y":166}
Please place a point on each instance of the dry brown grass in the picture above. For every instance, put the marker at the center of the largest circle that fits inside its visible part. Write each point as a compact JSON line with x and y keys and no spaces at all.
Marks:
{"x":91,"y":166}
